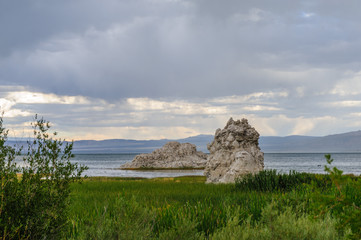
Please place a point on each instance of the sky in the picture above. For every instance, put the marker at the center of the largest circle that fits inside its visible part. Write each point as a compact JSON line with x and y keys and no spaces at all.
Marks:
{"x":153,"y":69}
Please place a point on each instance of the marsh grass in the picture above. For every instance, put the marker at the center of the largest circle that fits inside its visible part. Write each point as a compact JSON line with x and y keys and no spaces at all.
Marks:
{"x":168,"y":200}
{"x":187,"y":208}
{"x":271,"y":180}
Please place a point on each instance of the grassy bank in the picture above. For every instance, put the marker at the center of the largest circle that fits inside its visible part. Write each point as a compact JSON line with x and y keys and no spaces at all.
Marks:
{"x":316,"y":207}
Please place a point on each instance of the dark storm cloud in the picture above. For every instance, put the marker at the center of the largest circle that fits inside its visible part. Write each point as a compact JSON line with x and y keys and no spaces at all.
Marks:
{"x":167,"y":68}
{"x":116,"y":49}
{"x":25,"y":24}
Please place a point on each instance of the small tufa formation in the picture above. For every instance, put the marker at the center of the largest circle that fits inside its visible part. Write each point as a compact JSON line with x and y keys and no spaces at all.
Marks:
{"x":171,"y":155}
{"x":234,"y":152}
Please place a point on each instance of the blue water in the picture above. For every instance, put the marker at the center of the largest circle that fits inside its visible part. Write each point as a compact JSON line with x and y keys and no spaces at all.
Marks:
{"x":108,"y":164}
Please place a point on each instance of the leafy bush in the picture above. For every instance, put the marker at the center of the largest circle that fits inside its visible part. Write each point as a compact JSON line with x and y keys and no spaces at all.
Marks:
{"x":35,"y":197}
{"x":345,"y":201}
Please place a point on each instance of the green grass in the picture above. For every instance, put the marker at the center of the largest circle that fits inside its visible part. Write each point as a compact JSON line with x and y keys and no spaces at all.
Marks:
{"x":188,"y":208}
{"x":270,"y":181}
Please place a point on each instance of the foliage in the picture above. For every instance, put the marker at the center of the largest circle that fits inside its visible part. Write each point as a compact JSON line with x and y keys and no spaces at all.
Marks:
{"x":276,"y":224}
{"x":183,"y":229}
{"x":270,"y":180}
{"x":208,"y":211}
{"x":34,"y":205}
{"x":125,"y":219}
{"x":204,"y":214}
{"x":344,"y":202}
{"x":169,"y":199}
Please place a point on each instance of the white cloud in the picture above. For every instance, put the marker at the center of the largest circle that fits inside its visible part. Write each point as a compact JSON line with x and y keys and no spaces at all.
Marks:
{"x":350,"y":85}
{"x":251,"y":98}
{"x":262,"y":125}
{"x":303,"y":126}
{"x":356,"y":114}
{"x":141,"y":133}
{"x":7,"y":107}
{"x":174,"y":107}
{"x":350,"y":103}
{"x":141,"y":104}
{"x":260,"y":108}
{"x":42,"y":98}
{"x":282,"y":125}
{"x":12,"y":101}
{"x":6,"y":104}
{"x":17,"y":113}
{"x":148,"y":118}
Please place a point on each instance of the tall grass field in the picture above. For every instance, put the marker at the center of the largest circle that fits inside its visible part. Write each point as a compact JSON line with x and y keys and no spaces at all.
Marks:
{"x":268,"y":205}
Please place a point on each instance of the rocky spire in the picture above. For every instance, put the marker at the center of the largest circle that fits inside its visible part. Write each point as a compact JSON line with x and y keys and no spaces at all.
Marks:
{"x":234,"y":152}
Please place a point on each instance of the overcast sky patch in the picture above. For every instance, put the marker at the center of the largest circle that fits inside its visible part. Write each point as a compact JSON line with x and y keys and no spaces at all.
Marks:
{"x":148,"y":69}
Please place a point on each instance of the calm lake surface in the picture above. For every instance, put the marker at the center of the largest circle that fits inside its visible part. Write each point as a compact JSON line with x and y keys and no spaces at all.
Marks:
{"x":107,"y":164}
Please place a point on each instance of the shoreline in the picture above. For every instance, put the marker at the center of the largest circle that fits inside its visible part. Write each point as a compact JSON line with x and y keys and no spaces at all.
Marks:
{"x":161,"y":169}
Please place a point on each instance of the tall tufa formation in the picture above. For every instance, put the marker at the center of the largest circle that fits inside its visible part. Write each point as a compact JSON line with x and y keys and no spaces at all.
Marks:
{"x":234,"y":152}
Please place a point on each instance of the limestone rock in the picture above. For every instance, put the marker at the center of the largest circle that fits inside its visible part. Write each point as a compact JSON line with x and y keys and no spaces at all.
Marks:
{"x":234,"y":152}
{"x":171,"y":155}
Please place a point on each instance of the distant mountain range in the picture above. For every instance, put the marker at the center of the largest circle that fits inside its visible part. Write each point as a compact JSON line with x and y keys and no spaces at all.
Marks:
{"x":346,"y":142}
{"x":135,"y":146}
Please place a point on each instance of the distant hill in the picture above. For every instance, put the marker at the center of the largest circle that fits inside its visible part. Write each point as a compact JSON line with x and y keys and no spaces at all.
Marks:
{"x":345,"y":142}
{"x":135,"y":146}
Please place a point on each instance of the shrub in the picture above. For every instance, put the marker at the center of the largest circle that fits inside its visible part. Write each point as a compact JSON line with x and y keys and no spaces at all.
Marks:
{"x":34,"y":204}
{"x":344,"y":202}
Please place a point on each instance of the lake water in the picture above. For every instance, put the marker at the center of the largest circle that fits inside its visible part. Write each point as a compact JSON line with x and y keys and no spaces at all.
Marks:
{"x":108,"y":164}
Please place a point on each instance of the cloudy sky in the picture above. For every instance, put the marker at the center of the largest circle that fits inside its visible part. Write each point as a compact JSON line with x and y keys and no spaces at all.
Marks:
{"x":151,"y":69}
